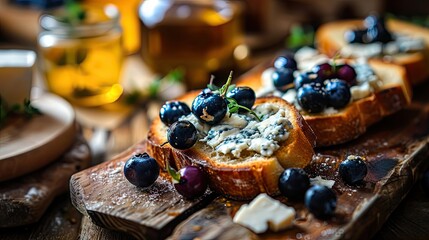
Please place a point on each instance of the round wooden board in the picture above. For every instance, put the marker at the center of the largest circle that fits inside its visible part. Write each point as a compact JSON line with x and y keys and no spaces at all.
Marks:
{"x":28,"y":146}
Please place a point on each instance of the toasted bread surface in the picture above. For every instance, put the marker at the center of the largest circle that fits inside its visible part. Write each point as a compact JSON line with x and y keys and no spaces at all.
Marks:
{"x":330,"y":39}
{"x":353,"y":120}
{"x":238,"y":178}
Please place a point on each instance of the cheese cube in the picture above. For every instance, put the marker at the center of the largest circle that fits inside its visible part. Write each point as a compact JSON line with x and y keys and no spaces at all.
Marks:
{"x":263,"y":213}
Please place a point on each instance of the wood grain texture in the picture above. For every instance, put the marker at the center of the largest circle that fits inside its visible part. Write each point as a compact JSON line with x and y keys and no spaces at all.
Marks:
{"x":25,"y":199}
{"x":104,"y":195}
{"x":90,"y":231}
{"x":61,"y":221}
{"x":213,"y":222}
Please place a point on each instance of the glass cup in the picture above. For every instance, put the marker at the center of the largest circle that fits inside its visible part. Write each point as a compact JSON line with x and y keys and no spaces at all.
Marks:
{"x":202,"y":37}
{"x":129,"y":22}
{"x":81,"y":58}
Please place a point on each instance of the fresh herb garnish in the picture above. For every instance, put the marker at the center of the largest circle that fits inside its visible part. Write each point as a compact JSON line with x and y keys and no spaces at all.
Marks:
{"x":74,"y":12}
{"x":175,"y":176}
{"x":25,"y":109}
{"x":29,"y":110}
{"x":300,"y":36}
{"x":233,"y":106}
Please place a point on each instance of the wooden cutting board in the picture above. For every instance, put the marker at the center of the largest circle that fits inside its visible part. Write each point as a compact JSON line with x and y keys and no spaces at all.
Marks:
{"x":397,"y":150}
{"x":24,"y":200}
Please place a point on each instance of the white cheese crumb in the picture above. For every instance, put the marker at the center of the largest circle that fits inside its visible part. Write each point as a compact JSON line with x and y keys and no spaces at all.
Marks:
{"x":290,"y":96}
{"x":263,"y":213}
{"x":330,"y":111}
{"x":320,"y":181}
{"x":361,"y":91}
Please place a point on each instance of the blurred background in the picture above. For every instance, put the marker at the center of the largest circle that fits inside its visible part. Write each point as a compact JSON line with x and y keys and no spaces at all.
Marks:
{"x":203,"y":37}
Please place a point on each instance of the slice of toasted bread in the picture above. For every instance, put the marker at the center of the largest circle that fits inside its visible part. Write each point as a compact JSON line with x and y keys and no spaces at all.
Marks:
{"x":244,"y":177}
{"x":330,"y":40}
{"x":353,"y":120}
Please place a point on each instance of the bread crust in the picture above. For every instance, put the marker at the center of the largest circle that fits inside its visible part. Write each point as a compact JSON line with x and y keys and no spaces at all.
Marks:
{"x":351,"y":122}
{"x":330,"y":39}
{"x":240,"y":180}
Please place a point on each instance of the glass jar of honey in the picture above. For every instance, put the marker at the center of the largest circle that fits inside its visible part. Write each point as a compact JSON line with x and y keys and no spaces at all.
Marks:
{"x":201,"y":37}
{"x":129,"y":22}
{"x":81,"y":58}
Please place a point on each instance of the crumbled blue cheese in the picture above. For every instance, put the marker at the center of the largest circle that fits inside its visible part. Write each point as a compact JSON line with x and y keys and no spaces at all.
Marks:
{"x":308,"y":57}
{"x":201,"y":128}
{"x":367,"y":81}
{"x":401,"y":44}
{"x":360,"y":91}
{"x":242,"y":132}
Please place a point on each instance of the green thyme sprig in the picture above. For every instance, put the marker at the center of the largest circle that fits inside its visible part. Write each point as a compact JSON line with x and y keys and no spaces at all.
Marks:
{"x":175,"y":175}
{"x":25,"y":109}
{"x":233,"y":106}
{"x":335,"y":66}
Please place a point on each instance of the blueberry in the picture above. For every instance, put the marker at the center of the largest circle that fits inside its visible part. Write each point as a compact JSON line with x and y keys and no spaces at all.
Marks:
{"x":371,"y":21}
{"x":353,"y":170}
{"x":376,"y":29}
{"x":306,"y":77}
{"x":245,"y":96}
{"x":375,"y":21}
{"x":209,"y":107}
{"x":293,"y":183}
{"x":378,"y":35}
{"x":312,"y":98}
{"x":282,"y":78}
{"x":321,"y":201}
{"x":347,"y":73}
{"x":283,"y":62}
{"x":355,"y":36}
{"x":192,"y":182}
{"x":141,"y":170}
{"x":425,"y":182}
{"x":324,"y":71}
{"x":182,"y":135}
{"x":337,"y":93}
{"x":171,"y":111}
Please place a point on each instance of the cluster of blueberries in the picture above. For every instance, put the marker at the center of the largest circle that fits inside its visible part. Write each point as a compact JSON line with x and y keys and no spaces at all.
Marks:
{"x":325,"y":85}
{"x":375,"y":31}
{"x":209,"y":107}
{"x":321,"y":201}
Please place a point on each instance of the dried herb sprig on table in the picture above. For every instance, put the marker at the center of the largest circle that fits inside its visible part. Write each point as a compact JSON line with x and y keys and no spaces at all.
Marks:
{"x":25,"y":109}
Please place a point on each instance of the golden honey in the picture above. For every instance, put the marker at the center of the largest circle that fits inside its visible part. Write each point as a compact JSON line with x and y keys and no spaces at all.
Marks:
{"x":128,"y":19}
{"x":82,"y":63}
{"x":200,"y":37}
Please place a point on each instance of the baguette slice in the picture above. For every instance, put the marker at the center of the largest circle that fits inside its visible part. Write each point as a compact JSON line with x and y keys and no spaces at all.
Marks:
{"x":242,"y":178}
{"x":330,"y":39}
{"x":353,"y":120}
